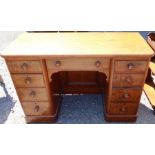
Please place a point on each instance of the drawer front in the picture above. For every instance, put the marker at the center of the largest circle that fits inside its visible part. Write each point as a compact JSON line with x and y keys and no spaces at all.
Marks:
{"x":131,"y":66}
{"x":24,"y":66}
{"x":128,"y":80}
{"x":118,"y":108}
{"x":28,"y":80}
{"x":36,"y":108}
{"x":78,"y":63}
{"x":32,"y":94}
{"x":128,"y":95}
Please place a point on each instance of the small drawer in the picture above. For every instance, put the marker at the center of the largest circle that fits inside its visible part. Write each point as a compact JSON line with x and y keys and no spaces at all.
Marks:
{"x":127,"y":95}
{"x":78,"y":63}
{"x":28,"y":80}
{"x":131,"y":66}
{"x":32,"y":94}
{"x":120,"y":108}
{"x":36,"y":108}
{"x":24,"y":66}
{"x":128,"y":80}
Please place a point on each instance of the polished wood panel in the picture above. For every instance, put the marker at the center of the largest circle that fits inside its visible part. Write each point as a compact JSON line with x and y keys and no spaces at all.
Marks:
{"x":41,"y":119}
{"x":128,"y":80}
{"x":120,"y":118}
{"x":130,"y":66}
{"x":24,"y":66}
{"x":84,"y":89}
{"x":28,"y":80}
{"x":36,"y":108}
{"x":76,"y":82}
{"x":80,"y":77}
{"x":78,"y":63}
{"x":126,"y":95}
{"x":32,"y":94}
{"x":75,"y":44}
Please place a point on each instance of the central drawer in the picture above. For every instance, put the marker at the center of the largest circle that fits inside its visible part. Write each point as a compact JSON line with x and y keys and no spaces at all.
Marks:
{"x":78,"y":63}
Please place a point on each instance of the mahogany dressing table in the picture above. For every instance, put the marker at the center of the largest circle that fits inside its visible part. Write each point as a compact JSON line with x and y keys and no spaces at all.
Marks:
{"x":43,"y":66}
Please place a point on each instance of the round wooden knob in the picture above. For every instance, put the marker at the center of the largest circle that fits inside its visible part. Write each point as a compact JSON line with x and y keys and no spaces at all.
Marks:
{"x":126,"y":96}
{"x":32,"y":93}
{"x":28,"y":80}
{"x":130,"y":66}
{"x":58,"y":63}
{"x":123,"y":109}
{"x":128,"y":79}
{"x":24,"y":66}
{"x":36,"y":108}
{"x":97,"y":63}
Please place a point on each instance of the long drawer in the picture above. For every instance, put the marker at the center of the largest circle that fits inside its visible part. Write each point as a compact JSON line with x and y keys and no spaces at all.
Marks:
{"x":26,"y":66}
{"x":28,"y":80}
{"x":32,"y":94}
{"x":78,"y":63}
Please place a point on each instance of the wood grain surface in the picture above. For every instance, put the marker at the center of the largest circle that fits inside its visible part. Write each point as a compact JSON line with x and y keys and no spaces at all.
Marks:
{"x":88,"y":43}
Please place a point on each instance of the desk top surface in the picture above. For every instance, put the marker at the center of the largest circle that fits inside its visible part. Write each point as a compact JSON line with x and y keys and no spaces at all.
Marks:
{"x":79,"y":43}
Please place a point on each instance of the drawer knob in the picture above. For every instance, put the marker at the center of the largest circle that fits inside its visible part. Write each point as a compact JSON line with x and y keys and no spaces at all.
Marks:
{"x":28,"y":80}
{"x":128,"y":79}
{"x":126,"y":96}
{"x":98,"y":63}
{"x":130,"y":66}
{"x":24,"y":66}
{"x":33,"y":93}
{"x":123,"y":109}
{"x":37,"y":108}
{"x":58,"y":63}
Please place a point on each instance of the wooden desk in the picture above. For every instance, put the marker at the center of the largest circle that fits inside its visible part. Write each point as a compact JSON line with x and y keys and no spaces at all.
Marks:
{"x":44,"y":66}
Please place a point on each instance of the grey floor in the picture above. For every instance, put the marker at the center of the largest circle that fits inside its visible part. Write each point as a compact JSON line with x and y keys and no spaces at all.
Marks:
{"x":79,"y":109}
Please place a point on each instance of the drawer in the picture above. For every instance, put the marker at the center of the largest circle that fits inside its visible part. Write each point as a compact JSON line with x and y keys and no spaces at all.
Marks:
{"x":28,"y":80}
{"x":120,"y":108}
{"x":132,"y":95}
{"x":24,"y":66}
{"x":78,"y":63}
{"x":131,"y":66}
{"x":128,"y":80}
{"x":36,"y":108}
{"x":32,"y":94}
